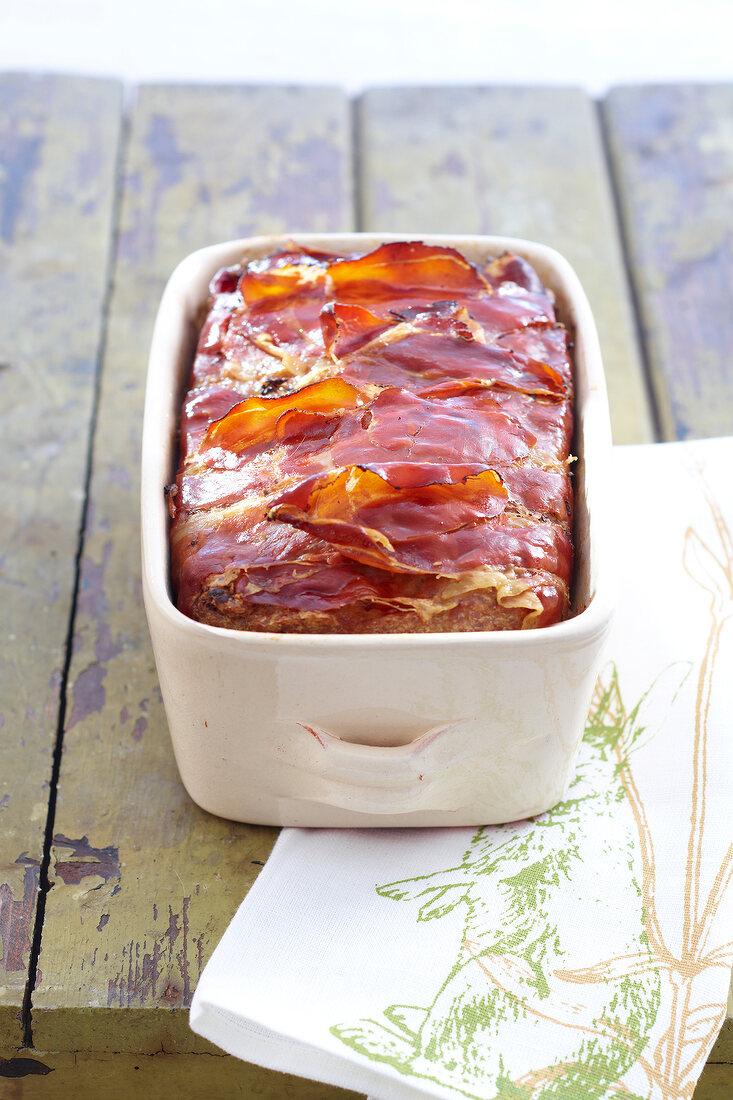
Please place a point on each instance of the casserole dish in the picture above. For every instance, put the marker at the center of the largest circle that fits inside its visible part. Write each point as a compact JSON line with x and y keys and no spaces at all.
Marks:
{"x":374,"y":730}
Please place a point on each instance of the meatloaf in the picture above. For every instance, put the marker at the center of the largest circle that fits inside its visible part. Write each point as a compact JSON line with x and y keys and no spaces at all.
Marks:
{"x":376,"y":443}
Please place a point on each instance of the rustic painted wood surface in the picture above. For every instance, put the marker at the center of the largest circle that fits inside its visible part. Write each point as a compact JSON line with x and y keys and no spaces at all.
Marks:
{"x":145,"y":883}
{"x":523,"y":162}
{"x":58,"y":148}
{"x":672,"y":151}
{"x":59,"y":1076}
{"x":716,"y":1082}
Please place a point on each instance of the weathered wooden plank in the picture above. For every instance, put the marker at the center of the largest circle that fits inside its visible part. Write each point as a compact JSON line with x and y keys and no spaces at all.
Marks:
{"x":672,"y":151}
{"x":525,"y":162}
{"x":58,"y":150}
{"x":716,"y":1083}
{"x":58,"y":1076}
{"x":145,"y":883}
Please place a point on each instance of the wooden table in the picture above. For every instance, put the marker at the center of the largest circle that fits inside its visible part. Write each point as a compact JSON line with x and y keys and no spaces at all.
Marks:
{"x":114,"y":887}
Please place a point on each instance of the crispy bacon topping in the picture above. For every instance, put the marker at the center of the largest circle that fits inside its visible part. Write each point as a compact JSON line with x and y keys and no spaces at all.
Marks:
{"x":347,"y":327}
{"x":374,"y":522}
{"x":428,"y":357}
{"x":387,"y":432}
{"x":261,"y":419}
{"x":406,"y":270}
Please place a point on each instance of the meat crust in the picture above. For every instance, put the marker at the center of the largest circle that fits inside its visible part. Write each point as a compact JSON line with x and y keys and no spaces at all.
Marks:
{"x":376,"y":444}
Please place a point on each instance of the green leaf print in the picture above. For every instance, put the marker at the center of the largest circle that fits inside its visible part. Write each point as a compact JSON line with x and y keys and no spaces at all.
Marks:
{"x":518,"y":887}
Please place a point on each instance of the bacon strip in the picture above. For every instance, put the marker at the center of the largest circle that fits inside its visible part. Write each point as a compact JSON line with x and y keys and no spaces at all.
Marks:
{"x":257,"y":419}
{"x":406,"y":270}
{"x":370,"y":520}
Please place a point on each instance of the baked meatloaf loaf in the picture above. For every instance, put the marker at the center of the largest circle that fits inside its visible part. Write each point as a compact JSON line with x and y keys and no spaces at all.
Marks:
{"x":376,"y":443}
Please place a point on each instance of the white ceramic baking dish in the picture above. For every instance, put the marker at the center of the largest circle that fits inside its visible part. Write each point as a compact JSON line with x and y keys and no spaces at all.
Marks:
{"x":374,"y":730}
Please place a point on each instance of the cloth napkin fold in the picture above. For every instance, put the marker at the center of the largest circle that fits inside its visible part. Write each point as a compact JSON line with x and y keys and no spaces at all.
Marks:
{"x":583,"y":954}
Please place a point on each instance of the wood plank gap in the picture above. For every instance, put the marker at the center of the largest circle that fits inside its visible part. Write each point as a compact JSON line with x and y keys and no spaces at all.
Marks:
{"x":44,"y":883}
{"x":615,"y":189}
{"x":357,"y":163}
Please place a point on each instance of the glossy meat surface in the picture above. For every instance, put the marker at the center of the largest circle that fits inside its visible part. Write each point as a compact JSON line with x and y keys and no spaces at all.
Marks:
{"x":376,"y":443}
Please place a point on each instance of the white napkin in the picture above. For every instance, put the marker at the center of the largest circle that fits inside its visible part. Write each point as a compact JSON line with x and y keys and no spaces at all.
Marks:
{"x":583,"y":954}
